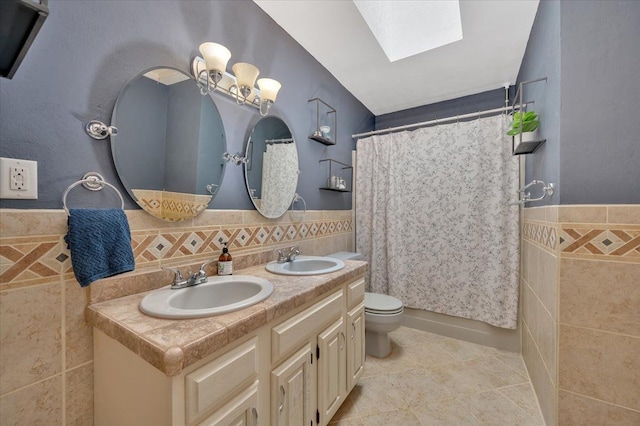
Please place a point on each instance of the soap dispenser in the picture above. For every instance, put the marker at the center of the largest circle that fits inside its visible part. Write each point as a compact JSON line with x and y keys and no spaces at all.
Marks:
{"x":225,"y":262}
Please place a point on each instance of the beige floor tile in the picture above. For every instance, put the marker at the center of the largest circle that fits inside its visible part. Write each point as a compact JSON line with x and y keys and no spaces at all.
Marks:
{"x":514,"y":361}
{"x":412,"y":357}
{"x":464,"y":351}
{"x":495,"y":373}
{"x":457,"y":379}
{"x":349,"y":422}
{"x":495,"y":409}
{"x":373,"y":367}
{"x":417,"y":387}
{"x":524,"y":397}
{"x":430,"y":378}
{"x":399,"y":417}
{"x":346,"y":411}
{"x":444,"y":413}
{"x":375,"y":395}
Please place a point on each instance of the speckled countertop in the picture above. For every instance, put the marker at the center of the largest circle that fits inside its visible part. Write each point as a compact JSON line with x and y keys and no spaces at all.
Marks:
{"x":171,"y":345}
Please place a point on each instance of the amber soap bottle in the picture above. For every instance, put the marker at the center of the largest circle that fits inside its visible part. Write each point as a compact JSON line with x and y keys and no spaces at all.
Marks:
{"x":225,"y":262}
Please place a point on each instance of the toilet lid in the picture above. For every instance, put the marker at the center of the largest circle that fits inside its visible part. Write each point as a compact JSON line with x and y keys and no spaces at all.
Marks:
{"x":381,"y":304}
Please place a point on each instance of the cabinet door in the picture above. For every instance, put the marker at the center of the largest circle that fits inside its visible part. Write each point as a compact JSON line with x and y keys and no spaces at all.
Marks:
{"x":332,"y":383}
{"x":355,"y":345}
{"x":292,"y":386}
{"x":240,"y":411}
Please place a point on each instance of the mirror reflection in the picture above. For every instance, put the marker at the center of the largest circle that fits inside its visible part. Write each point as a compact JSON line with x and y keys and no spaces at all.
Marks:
{"x":271,"y":172}
{"x":168,"y":151}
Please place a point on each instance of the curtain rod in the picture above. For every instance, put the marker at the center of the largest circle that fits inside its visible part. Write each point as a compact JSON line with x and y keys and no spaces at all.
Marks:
{"x":439,"y":120}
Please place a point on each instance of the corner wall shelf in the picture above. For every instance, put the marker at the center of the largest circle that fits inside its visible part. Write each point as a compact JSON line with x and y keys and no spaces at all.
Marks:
{"x":530,"y":143}
{"x":342,"y":182}
{"x":330,"y":137}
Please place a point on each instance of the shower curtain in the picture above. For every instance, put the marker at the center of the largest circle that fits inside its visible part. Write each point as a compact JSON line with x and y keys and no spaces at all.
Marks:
{"x":433,"y":219}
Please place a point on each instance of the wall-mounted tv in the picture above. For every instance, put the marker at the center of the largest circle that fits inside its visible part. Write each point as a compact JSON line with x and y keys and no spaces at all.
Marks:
{"x":20,"y":21}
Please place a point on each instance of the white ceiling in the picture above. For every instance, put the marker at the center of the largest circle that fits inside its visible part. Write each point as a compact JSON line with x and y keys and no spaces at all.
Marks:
{"x":495,"y":35}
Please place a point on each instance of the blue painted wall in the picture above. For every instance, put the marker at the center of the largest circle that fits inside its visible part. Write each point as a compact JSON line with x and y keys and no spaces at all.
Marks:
{"x":542,"y":59}
{"x":87,"y":51}
{"x":590,"y":51}
{"x":466,"y":105}
{"x":600,"y":138}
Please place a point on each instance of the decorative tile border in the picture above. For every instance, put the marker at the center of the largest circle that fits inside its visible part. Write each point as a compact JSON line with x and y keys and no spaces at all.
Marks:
{"x":598,"y":240}
{"x":542,"y":233}
{"x":604,"y":241}
{"x":28,"y":261}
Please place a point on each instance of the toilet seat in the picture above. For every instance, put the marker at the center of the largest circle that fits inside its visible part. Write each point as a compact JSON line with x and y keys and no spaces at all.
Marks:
{"x":381,"y":304}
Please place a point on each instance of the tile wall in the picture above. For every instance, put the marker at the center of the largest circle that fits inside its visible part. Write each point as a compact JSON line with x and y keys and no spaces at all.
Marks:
{"x":581,"y":312}
{"x":46,"y":348}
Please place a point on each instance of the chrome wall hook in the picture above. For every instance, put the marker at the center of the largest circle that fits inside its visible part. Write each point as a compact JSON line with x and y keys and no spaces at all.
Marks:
{"x":98,"y":130}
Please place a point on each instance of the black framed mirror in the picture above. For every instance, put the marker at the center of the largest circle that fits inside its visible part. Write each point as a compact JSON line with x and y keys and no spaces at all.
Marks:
{"x":271,"y":171}
{"x":170,"y":143}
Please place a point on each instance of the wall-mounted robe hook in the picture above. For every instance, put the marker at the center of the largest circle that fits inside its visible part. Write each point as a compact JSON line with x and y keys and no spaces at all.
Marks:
{"x":98,"y":130}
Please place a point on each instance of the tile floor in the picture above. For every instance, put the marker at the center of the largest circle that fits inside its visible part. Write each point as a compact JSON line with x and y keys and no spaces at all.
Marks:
{"x":434,"y":380}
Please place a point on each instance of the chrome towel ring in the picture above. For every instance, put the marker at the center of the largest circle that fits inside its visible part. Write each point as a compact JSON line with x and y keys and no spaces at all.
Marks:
{"x":93,"y":182}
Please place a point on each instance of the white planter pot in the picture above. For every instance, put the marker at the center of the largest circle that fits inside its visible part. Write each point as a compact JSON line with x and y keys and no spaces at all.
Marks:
{"x":526,"y":142}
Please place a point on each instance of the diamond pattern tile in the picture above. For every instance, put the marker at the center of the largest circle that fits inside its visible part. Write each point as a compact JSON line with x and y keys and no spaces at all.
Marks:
{"x":29,"y":259}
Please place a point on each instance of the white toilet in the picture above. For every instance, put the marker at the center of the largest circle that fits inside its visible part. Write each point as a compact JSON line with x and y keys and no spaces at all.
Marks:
{"x":382,"y":315}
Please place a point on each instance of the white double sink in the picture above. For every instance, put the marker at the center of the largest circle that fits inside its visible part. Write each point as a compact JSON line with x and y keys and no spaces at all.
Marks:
{"x":224,"y":294}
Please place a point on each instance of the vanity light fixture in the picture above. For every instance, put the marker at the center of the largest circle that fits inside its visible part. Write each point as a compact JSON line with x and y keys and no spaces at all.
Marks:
{"x":215,"y":57}
{"x":246,"y":75}
{"x":269,"y":91}
{"x":210,"y":74}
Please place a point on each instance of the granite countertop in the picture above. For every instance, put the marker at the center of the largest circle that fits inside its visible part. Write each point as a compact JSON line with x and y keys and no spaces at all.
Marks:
{"x":171,"y":345}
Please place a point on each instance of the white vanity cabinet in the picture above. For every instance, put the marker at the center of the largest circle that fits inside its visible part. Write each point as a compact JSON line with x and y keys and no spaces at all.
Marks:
{"x":293,"y":371}
{"x":293,"y":390}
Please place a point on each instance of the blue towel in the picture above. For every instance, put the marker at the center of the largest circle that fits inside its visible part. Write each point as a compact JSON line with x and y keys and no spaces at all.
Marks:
{"x":100,"y":244}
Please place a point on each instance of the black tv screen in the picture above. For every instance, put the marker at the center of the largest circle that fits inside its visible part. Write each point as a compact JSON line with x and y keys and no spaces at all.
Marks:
{"x":20,"y":21}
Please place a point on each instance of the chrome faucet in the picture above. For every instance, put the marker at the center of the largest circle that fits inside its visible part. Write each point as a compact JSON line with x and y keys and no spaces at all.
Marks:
{"x":194,"y":278}
{"x":293,"y":252}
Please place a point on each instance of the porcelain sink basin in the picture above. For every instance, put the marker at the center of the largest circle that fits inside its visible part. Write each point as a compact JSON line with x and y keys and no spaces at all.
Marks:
{"x":218,"y":295}
{"x":306,"y":265}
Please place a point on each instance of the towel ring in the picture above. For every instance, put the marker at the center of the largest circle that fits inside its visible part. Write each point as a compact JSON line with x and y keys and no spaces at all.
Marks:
{"x":297,"y":197}
{"x":93,"y":182}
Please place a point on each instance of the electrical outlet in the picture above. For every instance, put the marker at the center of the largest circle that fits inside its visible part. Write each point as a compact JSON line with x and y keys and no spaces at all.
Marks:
{"x":18,"y":179}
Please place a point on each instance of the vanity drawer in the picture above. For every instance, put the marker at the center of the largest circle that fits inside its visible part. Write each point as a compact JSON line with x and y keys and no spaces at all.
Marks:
{"x":289,"y":334}
{"x":355,"y":292}
{"x":210,"y":384}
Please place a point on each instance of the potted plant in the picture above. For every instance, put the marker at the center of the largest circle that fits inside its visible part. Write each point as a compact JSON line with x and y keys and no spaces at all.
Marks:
{"x":525,"y":123}
{"x":524,"y":130}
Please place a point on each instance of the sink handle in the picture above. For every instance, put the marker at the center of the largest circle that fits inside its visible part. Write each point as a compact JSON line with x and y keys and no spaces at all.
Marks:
{"x":177,"y":278}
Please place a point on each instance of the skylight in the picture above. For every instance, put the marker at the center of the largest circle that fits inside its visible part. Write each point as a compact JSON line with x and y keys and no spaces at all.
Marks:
{"x":405,"y":28}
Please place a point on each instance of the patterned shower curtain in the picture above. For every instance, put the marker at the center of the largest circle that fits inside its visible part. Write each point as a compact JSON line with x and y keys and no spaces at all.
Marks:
{"x":434,"y":221}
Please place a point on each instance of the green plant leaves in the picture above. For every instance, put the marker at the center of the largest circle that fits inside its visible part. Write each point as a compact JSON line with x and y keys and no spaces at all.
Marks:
{"x":523,"y":122}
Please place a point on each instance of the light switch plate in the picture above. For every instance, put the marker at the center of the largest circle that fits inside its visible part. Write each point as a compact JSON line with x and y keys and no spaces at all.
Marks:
{"x":18,"y":179}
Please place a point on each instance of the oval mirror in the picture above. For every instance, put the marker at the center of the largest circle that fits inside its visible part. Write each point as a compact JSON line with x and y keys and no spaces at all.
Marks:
{"x":169,"y":146}
{"x":271,"y":172}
